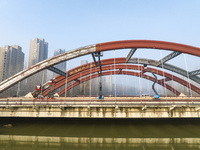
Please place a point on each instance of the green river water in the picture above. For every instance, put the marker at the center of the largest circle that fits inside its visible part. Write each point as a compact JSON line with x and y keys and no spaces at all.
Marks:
{"x":96,"y":134}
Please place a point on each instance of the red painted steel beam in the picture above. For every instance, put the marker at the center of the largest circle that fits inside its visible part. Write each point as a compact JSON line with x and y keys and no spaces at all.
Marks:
{"x":164,"y":80}
{"x":85,"y":67}
{"x":107,"y":62}
{"x":117,"y":72}
{"x":132,"y":67}
{"x":150,"y":44}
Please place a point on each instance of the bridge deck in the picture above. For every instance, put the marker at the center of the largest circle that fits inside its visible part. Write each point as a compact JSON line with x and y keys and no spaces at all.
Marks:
{"x":107,"y":102}
{"x":110,"y":107}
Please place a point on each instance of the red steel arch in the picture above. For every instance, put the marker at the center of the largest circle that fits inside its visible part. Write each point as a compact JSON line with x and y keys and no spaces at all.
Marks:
{"x":117,"y":72}
{"x":148,"y":44}
{"x":89,"y":66}
{"x":122,"y":66}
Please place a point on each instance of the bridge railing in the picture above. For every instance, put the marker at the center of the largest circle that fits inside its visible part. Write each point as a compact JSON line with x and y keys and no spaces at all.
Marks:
{"x":84,"y":102}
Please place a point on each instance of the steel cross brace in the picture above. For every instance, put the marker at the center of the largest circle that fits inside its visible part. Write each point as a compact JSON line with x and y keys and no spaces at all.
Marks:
{"x":58,"y":71}
{"x":168,"y":57}
{"x":130,"y":54}
{"x":195,"y":72}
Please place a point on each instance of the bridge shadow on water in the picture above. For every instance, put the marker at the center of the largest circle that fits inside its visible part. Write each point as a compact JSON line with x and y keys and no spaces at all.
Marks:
{"x":62,"y":133}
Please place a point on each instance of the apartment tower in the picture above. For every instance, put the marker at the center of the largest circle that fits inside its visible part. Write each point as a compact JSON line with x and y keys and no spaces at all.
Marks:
{"x":11,"y":62}
{"x":38,"y":52}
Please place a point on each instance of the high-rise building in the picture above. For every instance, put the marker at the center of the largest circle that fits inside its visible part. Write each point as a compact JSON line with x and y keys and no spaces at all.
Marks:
{"x":61,"y":66}
{"x":11,"y":61}
{"x":38,"y":52}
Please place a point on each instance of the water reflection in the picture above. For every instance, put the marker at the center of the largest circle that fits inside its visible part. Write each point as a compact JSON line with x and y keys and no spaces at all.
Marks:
{"x":96,"y":134}
{"x":16,"y":142}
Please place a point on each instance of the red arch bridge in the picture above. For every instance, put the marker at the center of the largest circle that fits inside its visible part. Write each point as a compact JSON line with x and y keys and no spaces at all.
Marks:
{"x":43,"y":103}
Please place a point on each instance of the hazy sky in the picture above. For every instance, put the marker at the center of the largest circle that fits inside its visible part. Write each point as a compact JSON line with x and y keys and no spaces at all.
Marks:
{"x":71,"y":24}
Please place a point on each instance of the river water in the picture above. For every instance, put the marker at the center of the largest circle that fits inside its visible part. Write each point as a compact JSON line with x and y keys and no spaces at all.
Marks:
{"x":99,"y":134}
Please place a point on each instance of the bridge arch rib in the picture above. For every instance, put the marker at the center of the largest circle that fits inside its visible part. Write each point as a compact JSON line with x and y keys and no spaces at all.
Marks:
{"x":62,"y":81}
{"x":122,"y":61}
{"x":150,"y":44}
{"x":118,"y":73}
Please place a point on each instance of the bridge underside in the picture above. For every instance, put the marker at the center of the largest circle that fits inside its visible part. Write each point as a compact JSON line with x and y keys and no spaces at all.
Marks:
{"x":88,"y":107}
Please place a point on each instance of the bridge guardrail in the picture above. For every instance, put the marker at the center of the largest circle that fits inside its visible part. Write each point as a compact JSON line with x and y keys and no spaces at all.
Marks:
{"x":94,"y":102}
